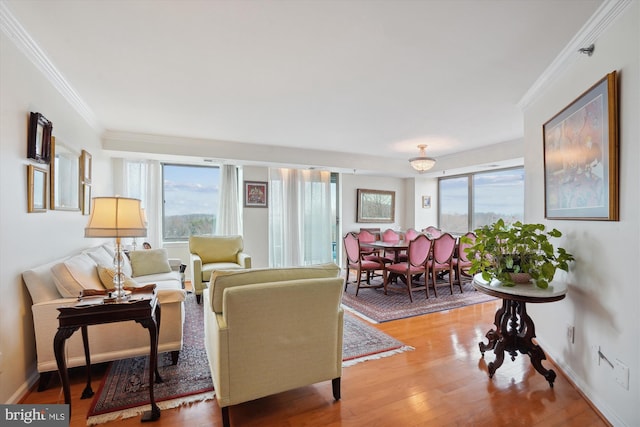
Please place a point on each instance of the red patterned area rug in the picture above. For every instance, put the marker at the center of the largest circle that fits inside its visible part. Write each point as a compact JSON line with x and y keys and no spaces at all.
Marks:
{"x":124,"y":391}
{"x":375,"y":306}
{"x":364,"y":342}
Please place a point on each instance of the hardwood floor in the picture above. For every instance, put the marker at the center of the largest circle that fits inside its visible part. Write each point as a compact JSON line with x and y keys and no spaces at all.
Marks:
{"x":443,"y":382}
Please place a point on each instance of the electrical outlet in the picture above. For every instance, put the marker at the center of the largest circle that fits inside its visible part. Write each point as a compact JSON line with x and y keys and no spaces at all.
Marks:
{"x":622,"y":374}
{"x":571,"y":330}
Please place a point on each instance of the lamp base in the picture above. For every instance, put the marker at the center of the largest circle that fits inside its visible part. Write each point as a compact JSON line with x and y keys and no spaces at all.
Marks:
{"x":115,"y":296}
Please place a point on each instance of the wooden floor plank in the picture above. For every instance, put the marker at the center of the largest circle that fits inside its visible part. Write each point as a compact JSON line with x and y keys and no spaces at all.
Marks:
{"x":443,"y":382}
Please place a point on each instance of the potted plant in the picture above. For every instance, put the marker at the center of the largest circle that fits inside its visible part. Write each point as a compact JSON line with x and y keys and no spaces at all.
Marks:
{"x":516,"y":253}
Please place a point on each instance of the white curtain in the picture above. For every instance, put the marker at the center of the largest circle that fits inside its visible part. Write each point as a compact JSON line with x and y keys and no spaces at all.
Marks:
{"x":300,"y":221}
{"x":229,"y":220}
{"x":140,"y":180}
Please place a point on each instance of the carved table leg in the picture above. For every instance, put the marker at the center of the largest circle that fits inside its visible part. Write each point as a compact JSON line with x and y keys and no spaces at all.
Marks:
{"x":152,"y":324}
{"x":87,"y":392}
{"x":493,"y":335}
{"x":514,"y":333}
{"x":526,"y":346}
{"x":58,"y":349}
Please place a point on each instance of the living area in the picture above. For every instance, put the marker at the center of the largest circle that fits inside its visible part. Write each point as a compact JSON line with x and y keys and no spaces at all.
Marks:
{"x":444,"y":379}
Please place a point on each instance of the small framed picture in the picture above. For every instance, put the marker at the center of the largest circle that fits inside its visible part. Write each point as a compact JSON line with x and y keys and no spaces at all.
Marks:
{"x":426,"y":202}
{"x":86,"y":199}
{"x":39,"y":139}
{"x":255,"y":194}
{"x":37,"y":179}
{"x":85,"y":167}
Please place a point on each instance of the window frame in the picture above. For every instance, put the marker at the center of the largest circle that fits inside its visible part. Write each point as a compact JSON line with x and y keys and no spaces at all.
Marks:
{"x":470,"y":193}
{"x":165,"y":238}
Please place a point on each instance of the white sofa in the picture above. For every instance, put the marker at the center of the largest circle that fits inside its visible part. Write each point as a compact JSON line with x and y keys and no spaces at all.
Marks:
{"x":58,"y":283}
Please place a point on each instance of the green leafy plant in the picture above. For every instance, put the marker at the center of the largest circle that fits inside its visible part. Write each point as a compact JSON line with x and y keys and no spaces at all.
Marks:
{"x":500,"y":250}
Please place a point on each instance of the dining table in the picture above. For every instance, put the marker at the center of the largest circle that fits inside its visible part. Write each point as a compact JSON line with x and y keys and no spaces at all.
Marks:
{"x":396,"y":246}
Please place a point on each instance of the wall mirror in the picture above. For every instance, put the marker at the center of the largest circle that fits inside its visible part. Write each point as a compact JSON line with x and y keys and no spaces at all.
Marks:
{"x":65,"y":177}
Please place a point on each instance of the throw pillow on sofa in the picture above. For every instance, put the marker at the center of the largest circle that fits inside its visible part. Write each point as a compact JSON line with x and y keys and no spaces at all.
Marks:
{"x":106,"y":277}
{"x":149,"y":261}
{"x":76,"y":274}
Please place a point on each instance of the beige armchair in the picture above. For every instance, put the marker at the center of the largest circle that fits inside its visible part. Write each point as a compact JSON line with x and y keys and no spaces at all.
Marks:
{"x":211,"y":253}
{"x":273,"y":330}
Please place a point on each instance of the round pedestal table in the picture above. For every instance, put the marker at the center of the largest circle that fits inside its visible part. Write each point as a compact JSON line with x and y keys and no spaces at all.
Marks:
{"x":514,"y":329}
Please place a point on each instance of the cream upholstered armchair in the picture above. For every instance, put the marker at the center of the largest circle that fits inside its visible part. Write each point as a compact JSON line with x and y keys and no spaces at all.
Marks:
{"x":273,"y":330}
{"x":210,"y":253}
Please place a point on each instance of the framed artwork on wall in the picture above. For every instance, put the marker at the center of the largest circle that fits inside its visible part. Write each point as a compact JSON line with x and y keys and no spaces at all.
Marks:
{"x":37,"y":179}
{"x":426,"y":202}
{"x":39,"y":138}
{"x":86,"y":199}
{"x":64,"y":176}
{"x":255,"y":194}
{"x":581,"y":156}
{"x":376,"y":206}
{"x":85,"y":167}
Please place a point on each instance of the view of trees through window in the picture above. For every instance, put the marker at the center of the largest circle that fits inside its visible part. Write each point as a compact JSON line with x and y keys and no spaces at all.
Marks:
{"x":190,"y":200}
{"x":471,"y":201}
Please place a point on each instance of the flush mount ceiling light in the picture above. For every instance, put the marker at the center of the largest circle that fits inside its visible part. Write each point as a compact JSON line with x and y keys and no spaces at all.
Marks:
{"x":422,"y":163}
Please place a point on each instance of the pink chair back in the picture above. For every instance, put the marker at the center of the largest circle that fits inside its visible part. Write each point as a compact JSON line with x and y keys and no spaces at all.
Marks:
{"x":390,"y":235}
{"x":462,"y":255}
{"x":366,"y":236}
{"x":352,"y":247}
{"x":433,"y":231}
{"x":419,"y":249}
{"x":410,"y":234}
{"x":443,"y":248}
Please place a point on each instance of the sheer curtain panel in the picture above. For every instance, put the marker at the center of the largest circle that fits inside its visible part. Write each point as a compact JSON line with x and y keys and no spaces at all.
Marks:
{"x":229,"y":219}
{"x":299,"y":217}
{"x":141,"y":180}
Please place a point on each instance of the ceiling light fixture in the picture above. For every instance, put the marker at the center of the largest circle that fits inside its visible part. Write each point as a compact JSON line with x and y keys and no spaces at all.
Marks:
{"x":422,"y":163}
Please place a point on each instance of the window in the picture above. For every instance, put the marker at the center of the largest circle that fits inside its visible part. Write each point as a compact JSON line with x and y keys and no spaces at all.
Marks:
{"x":190,"y":200}
{"x":471,"y":201}
{"x":454,"y":204}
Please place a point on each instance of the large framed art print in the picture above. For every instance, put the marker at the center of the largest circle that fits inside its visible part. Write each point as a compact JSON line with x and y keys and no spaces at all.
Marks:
{"x":581,"y":156}
{"x":376,"y":206}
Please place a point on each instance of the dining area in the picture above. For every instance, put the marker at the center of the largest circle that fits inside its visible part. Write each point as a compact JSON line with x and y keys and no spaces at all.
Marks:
{"x":417,"y":263}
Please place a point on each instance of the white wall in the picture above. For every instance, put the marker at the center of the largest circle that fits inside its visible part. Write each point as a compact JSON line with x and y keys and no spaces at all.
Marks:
{"x":604,"y":296}
{"x":350,"y":185}
{"x":30,"y":239}
{"x":424,"y":217}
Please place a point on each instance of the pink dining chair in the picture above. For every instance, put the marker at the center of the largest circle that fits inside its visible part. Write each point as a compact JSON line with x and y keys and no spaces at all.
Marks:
{"x":461,"y":262}
{"x":390,"y":236}
{"x":356,"y":261}
{"x":442,"y":260}
{"x":418,"y":256}
{"x":365,"y":236}
{"x":410,"y":234}
{"x":433,"y":232}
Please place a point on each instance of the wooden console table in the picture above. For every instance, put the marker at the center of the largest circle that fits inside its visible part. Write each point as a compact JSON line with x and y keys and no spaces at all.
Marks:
{"x":142,"y":308}
{"x":514,"y":328}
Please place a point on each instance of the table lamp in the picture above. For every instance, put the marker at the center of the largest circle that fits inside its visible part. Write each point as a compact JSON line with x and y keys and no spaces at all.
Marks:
{"x":116,"y":217}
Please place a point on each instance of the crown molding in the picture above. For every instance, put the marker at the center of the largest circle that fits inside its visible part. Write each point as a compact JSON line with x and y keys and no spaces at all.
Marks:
{"x":17,"y":33}
{"x":588,"y":34}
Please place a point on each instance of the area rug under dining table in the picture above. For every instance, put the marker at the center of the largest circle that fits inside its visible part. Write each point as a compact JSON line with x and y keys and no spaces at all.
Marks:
{"x":375,"y":306}
{"x":124,"y":390}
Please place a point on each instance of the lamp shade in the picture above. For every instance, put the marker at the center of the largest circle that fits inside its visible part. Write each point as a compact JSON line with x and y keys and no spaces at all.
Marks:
{"x":422,"y":163}
{"x":115,"y":217}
